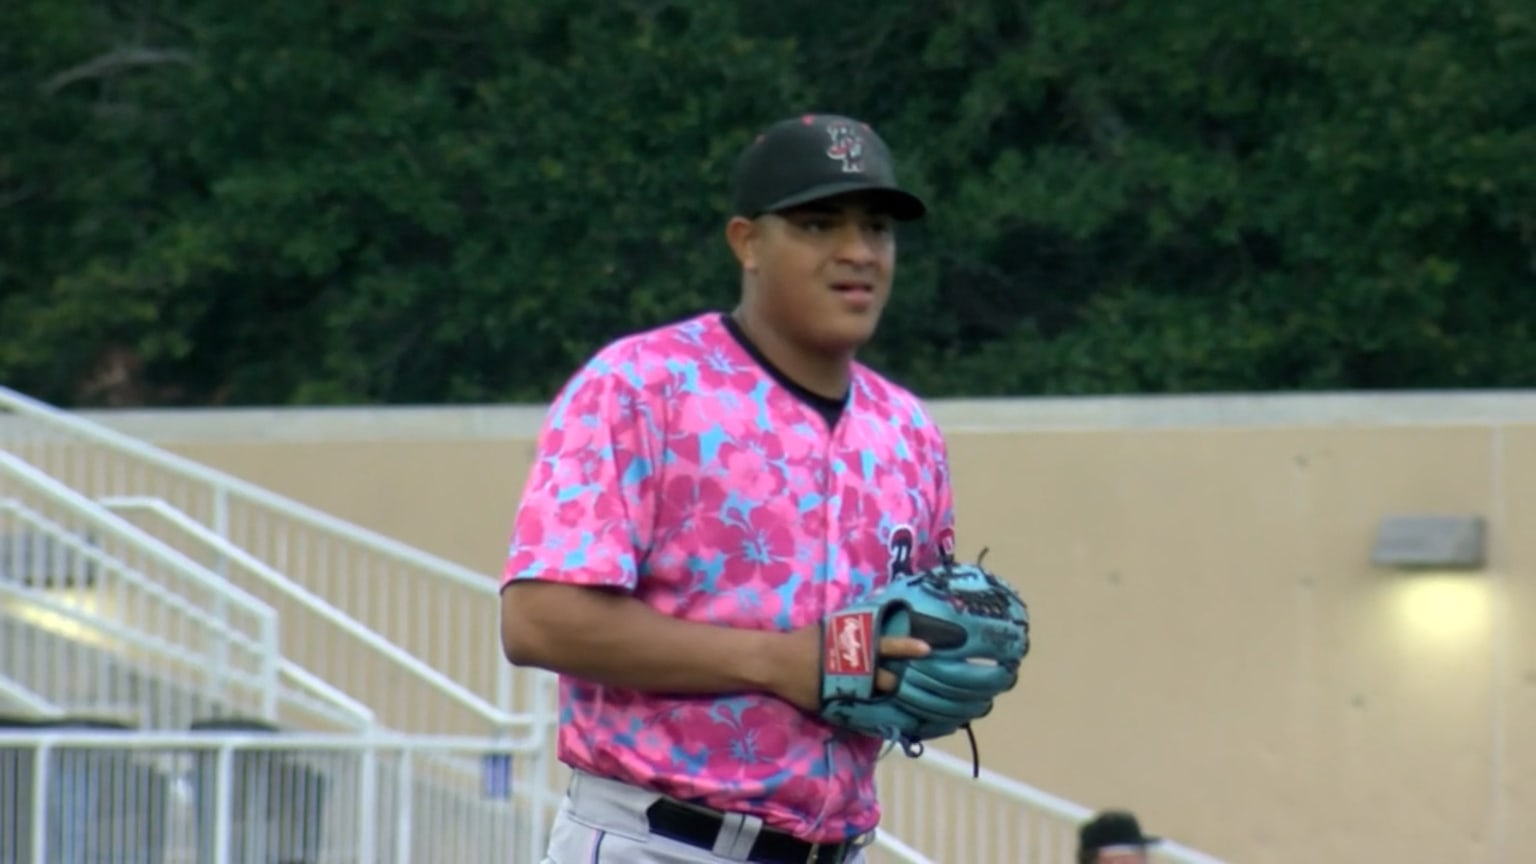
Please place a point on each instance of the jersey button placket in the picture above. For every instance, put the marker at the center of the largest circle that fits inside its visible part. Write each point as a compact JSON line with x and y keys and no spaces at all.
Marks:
{"x":826,"y":519}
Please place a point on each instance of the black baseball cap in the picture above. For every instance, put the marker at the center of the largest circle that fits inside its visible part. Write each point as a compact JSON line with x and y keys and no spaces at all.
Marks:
{"x":814,"y":156}
{"x":1113,"y":828}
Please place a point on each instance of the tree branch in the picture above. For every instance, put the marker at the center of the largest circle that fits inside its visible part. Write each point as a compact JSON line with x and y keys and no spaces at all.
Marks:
{"x":113,"y":62}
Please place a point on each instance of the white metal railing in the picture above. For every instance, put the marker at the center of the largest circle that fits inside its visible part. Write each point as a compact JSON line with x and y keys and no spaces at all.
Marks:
{"x":251,"y":798}
{"x":420,"y":699}
{"x":939,"y":810}
{"x":14,"y":694}
{"x":79,"y":657}
{"x":99,"y":665}
{"x":438,"y":611}
{"x":888,"y":849}
{"x":66,"y":562}
{"x":310,"y":703}
{"x":357,"y":653}
{"x":98,"y":616}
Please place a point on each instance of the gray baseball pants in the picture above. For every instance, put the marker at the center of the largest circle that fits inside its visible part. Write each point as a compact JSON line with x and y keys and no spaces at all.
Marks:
{"x":602,"y":821}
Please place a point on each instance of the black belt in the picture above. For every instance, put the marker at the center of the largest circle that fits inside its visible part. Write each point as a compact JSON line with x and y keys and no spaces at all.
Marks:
{"x":699,"y":827}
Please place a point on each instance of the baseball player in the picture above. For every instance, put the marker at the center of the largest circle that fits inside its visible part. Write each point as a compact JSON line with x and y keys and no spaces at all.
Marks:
{"x":1114,"y":837}
{"x":704,"y":495}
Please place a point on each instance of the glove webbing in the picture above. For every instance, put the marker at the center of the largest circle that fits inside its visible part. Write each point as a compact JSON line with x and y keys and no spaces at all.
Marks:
{"x":914,"y":749}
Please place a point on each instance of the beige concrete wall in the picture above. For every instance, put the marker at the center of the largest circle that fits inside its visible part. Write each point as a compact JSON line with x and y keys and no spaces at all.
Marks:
{"x":1212,"y":647}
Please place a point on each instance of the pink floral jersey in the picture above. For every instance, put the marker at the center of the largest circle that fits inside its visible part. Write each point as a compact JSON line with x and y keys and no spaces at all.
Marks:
{"x":673,"y":465}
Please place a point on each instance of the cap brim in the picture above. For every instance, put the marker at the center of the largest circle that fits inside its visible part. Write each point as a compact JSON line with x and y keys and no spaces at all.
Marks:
{"x":901,"y":204}
{"x":1127,"y":845}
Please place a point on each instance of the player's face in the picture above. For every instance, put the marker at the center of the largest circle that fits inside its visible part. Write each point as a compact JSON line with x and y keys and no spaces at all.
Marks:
{"x":824,"y":271}
{"x":1122,"y":856}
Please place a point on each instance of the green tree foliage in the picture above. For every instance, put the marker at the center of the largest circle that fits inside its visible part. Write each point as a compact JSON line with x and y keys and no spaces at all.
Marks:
{"x":393,"y":201}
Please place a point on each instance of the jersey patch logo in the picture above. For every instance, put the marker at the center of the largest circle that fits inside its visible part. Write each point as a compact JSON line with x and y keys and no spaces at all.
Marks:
{"x":901,"y":546}
{"x":850,"y":644}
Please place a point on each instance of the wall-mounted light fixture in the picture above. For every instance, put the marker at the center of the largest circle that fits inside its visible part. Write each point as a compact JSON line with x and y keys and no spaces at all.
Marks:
{"x":1433,"y":542}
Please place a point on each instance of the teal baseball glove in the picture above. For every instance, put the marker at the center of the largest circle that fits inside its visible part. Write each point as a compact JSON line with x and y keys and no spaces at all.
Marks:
{"x":978,"y":628}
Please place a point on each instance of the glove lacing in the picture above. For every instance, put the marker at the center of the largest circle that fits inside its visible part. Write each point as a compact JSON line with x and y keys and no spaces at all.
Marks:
{"x":915,"y":749}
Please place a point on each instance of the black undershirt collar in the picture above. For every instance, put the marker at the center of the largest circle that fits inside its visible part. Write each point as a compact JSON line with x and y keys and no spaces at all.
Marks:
{"x":831,"y":410}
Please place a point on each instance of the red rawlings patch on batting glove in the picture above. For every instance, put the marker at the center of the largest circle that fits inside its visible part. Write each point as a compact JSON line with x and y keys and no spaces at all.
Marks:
{"x":850,"y":644}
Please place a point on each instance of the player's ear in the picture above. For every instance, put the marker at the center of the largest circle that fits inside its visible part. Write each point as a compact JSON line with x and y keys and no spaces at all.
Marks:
{"x":742,"y":234}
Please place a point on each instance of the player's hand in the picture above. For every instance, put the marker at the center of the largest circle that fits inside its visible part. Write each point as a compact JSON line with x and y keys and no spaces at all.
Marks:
{"x":799,"y":679}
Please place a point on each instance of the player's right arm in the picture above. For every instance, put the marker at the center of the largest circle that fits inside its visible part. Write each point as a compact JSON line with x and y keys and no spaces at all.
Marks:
{"x":584,"y":522}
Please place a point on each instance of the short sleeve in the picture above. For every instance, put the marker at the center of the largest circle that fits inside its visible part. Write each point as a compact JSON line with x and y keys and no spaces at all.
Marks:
{"x":586,"y":513}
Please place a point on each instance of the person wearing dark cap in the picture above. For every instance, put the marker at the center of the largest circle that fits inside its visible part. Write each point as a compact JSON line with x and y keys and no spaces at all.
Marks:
{"x":1114,"y":837}
{"x":815,"y":202}
{"x":704,"y":495}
